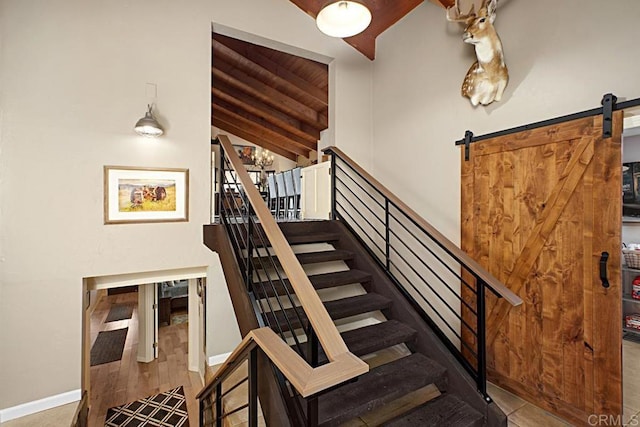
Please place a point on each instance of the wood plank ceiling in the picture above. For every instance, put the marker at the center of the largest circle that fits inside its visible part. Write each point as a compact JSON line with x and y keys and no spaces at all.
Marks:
{"x":280,"y":101}
{"x":273,"y":99}
{"x":384,"y":13}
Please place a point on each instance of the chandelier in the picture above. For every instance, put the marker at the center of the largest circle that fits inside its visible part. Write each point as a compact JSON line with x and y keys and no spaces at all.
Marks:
{"x":262,"y":159}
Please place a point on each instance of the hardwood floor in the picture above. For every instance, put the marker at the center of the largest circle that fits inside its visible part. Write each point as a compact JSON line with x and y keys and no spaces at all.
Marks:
{"x":126,"y":380}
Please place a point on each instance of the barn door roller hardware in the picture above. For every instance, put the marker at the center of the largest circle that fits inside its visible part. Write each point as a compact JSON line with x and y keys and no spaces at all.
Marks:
{"x":608,"y":106}
{"x":468,"y":139}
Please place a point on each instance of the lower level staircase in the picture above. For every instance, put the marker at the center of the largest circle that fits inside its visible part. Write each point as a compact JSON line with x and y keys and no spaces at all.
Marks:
{"x":412,"y":380}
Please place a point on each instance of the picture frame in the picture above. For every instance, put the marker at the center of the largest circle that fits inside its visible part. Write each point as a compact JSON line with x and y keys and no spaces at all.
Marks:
{"x":141,"y":194}
{"x":246,"y":153}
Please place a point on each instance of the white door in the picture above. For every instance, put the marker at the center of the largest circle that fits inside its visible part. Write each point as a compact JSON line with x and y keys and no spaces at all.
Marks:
{"x":147,"y":322}
{"x":316,"y":191}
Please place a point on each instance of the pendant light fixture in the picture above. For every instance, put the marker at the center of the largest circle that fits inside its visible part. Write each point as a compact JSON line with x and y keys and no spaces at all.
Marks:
{"x":148,"y":126}
{"x":343,"y":18}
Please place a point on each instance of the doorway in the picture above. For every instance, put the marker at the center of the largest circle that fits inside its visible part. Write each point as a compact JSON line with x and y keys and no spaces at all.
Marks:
{"x":125,"y":323}
{"x":630,"y":268}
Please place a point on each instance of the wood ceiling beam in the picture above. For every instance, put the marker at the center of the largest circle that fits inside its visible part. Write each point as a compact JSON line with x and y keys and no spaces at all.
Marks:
{"x":364,"y":43}
{"x":257,"y":59}
{"x":241,"y":80}
{"x":259,"y":131}
{"x":226,"y":107}
{"x":252,"y":105}
{"x":241,"y":133}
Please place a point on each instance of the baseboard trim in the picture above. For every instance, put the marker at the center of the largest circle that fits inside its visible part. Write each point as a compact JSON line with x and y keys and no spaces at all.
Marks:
{"x":39,"y":405}
{"x":218,"y":359}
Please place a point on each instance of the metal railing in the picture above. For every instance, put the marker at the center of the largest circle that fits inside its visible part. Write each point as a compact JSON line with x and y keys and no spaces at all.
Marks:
{"x":271,"y":294}
{"x":220,"y":401}
{"x":445,"y":286}
{"x":287,"y":309}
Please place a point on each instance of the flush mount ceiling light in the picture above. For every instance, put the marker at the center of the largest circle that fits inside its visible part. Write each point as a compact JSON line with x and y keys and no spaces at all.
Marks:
{"x":343,"y":18}
{"x":148,"y":126}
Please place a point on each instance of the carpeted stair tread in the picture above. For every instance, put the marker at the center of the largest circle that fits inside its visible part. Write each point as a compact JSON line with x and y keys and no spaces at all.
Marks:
{"x":378,"y":387}
{"x":446,"y":410}
{"x":309,"y":258}
{"x":372,"y":338}
{"x":337,"y":309}
{"x":319,"y":281}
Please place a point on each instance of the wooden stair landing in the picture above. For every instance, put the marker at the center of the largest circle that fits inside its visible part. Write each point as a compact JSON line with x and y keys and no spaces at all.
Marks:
{"x":378,"y":387}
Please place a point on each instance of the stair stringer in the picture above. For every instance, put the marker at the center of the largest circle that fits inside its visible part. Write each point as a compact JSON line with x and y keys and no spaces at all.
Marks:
{"x":427,"y":342}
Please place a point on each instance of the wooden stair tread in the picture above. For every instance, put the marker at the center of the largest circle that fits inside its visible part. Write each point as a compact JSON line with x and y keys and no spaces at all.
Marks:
{"x":325,"y":256}
{"x":319,"y":281}
{"x":446,"y":410}
{"x":309,"y":258}
{"x":337,"y":309}
{"x":299,"y":239}
{"x":322,"y":237}
{"x":396,"y":408}
{"x":378,"y":387}
{"x":372,"y":338}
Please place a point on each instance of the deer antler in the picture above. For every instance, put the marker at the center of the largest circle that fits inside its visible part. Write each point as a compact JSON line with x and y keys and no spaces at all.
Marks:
{"x":454,"y":14}
{"x":491,"y":7}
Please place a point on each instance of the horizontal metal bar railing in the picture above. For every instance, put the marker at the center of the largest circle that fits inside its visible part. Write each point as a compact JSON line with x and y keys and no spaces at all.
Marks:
{"x":430,"y":270}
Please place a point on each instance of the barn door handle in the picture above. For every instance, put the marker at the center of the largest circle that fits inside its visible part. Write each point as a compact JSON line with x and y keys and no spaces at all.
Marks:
{"x":604,"y":257}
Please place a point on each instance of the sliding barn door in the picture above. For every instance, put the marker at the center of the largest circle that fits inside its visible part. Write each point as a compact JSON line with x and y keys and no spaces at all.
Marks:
{"x":538,"y":210}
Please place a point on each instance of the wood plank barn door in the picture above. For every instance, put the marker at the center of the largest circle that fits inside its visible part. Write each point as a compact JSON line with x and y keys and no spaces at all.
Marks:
{"x":539,"y":208}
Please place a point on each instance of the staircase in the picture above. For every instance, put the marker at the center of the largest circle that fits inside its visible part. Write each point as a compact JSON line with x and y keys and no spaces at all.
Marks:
{"x":405,"y":387}
{"x":376,"y":287}
{"x":410,"y":382}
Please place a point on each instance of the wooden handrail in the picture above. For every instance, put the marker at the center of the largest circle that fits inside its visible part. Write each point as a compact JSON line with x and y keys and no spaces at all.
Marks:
{"x":343,"y":365}
{"x":447,"y":244}
{"x":304,"y":378}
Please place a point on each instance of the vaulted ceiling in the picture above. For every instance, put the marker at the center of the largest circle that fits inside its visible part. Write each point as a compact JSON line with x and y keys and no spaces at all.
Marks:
{"x":384,"y":13}
{"x":273,"y":99}
{"x":280,"y":101}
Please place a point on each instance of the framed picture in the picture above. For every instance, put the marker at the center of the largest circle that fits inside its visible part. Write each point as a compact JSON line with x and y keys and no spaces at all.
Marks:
{"x":246,"y":153}
{"x":137,"y":195}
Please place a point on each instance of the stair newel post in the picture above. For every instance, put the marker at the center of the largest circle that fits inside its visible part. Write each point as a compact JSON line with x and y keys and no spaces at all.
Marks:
{"x":218,"y":405}
{"x":253,"y":387}
{"x":481,"y":338}
{"x":312,"y":347}
{"x":312,"y":412}
{"x":333,"y":186}
{"x":248,"y":265}
{"x":312,"y":355}
{"x":387,"y":232}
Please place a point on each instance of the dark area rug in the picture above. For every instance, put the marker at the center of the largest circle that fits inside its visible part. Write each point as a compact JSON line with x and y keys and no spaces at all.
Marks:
{"x":164,"y":409}
{"x":108,"y":347}
{"x":119,"y":312}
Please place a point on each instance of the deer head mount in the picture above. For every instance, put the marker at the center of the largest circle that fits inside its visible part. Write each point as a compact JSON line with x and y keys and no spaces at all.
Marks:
{"x":488,"y":76}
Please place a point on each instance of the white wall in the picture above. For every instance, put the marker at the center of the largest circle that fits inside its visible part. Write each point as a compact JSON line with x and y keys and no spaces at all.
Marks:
{"x":562,"y":57}
{"x":73,"y":84}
